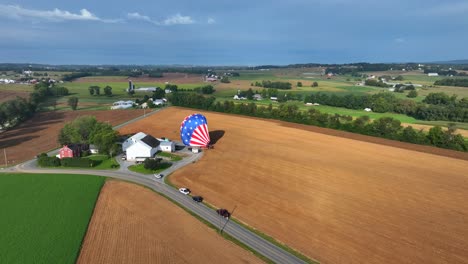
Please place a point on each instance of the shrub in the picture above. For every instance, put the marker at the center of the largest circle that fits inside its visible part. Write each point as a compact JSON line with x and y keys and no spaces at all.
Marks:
{"x":45,"y":161}
{"x":77,"y":162}
{"x":151,"y":164}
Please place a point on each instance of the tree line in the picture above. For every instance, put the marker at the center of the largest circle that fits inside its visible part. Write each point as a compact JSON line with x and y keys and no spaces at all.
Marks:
{"x":275,"y":85}
{"x":385,"y":127}
{"x":452,"y":82}
{"x":430,"y":109}
{"x":13,"y":112}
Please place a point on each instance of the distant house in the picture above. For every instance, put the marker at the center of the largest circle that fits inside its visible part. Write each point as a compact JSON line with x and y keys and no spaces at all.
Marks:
{"x":257,"y":97}
{"x":168,"y":90}
{"x":65,"y":152}
{"x":274,"y":98}
{"x":159,"y":102}
{"x":72,"y":150}
{"x":432,"y":74}
{"x":122,"y":105}
{"x":367,"y":109}
{"x":167,"y":146}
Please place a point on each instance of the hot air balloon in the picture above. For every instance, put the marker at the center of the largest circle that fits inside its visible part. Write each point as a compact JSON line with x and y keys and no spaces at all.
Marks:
{"x":194,"y":131}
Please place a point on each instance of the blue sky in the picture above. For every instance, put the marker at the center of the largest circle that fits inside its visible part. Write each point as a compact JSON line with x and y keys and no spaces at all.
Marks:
{"x":232,"y":32}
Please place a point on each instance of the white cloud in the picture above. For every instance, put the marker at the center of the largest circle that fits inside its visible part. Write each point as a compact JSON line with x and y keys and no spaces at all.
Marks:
{"x":178,"y":20}
{"x":211,"y":21}
{"x":17,"y":12}
{"x":138,"y":16}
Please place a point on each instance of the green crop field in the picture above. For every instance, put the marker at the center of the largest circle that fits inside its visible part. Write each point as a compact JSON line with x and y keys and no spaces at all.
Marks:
{"x":45,"y":216}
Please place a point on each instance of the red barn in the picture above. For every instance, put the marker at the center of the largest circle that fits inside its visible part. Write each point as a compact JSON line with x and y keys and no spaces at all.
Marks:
{"x":65,"y":152}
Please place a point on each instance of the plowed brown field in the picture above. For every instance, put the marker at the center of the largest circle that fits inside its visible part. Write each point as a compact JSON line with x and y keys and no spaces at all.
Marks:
{"x":39,"y":134}
{"x":132,"y":224}
{"x":336,"y":199}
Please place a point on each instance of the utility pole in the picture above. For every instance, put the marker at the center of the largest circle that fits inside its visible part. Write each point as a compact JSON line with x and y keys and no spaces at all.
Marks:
{"x":6,"y":160}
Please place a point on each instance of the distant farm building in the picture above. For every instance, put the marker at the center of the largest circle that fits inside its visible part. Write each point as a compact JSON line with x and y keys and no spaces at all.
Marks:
{"x":122,"y":105}
{"x":432,"y":74}
{"x":146,"y":89}
{"x":257,"y":97}
{"x":367,"y":109}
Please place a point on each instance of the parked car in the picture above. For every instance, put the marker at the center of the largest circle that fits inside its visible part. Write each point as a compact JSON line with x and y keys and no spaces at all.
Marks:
{"x":124,"y":157}
{"x":158,"y":176}
{"x":198,"y":199}
{"x":224,"y":213}
{"x":184,"y":190}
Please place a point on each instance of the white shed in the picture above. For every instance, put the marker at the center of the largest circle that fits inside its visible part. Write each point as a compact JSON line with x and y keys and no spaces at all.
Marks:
{"x":167,"y":146}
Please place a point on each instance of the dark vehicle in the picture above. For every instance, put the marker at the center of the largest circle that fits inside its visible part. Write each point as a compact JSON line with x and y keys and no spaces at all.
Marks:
{"x":224,"y":213}
{"x":197,"y":199}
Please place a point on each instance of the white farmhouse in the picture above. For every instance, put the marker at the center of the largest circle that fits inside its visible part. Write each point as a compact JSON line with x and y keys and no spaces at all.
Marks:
{"x":142,"y":147}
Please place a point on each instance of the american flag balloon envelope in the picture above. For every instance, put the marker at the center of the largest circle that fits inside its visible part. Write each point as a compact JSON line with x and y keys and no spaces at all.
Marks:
{"x":194,"y":131}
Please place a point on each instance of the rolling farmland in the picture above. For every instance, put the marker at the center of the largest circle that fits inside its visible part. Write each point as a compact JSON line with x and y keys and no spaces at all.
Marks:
{"x":335,"y":199}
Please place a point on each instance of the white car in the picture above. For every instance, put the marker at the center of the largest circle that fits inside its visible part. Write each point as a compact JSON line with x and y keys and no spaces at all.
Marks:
{"x":184,"y":190}
{"x":158,"y":176}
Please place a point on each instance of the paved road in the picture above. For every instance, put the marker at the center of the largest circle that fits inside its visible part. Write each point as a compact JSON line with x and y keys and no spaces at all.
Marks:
{"x":260,"y":245}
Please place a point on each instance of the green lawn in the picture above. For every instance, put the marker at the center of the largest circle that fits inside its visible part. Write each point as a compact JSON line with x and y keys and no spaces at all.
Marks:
{"x":106,"y":162}
{"x":173,"y":157}
{"x":141,"y":169}
{"x":45,"y":216}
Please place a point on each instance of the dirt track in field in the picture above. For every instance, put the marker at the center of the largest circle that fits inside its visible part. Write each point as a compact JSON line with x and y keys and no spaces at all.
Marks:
{"x":39,"y":134}
{"x":10,"y":95}
{"x":334,"y":198}
{"x":132,"y":224}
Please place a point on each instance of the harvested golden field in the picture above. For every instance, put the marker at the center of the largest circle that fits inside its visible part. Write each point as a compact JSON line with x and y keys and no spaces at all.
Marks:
{"x":336,"y":198}
{"x":426,"y":128}
{"x":39,"y":134}
{"x":132,"y":224}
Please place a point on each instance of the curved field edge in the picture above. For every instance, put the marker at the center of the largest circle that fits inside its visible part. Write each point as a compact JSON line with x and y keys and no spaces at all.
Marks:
{"x":45,"y":216}
{"x":113,"y":201}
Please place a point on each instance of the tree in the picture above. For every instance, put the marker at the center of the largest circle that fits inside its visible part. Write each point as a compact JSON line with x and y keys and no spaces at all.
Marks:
{"x":94,"y":90}
{"x":314,"y":84}
{"x":412,"y":94}
{"x":225,"y":79}
{"x":299,"y":84}
{"x":73,"y":102}
{"x":108,"y":90}
{"x":151,"y":164}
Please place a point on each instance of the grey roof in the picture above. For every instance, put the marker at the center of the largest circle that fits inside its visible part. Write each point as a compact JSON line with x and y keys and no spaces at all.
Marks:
{"x":166,"y":143}
{"x":150,"y":141}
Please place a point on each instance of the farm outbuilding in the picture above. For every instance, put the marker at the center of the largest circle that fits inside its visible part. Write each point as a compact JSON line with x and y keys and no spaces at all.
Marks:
{"x":167,"y":146}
